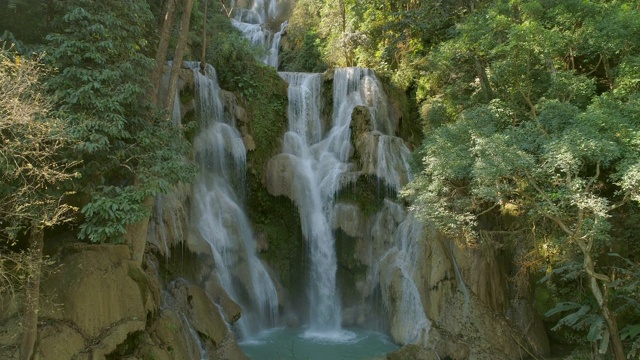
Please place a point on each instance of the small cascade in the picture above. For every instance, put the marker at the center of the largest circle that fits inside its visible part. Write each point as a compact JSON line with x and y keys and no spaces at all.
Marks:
{"x":397,"y":273}
{"x":385,"y":156}
{"x":219,"y":216}
{"x":321,"y":163}
{"x":195,"y":343}
{"x":176,"y":114}
{"x":258,"y":24}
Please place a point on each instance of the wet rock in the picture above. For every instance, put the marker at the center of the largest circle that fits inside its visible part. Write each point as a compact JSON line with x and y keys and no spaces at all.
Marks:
{"x":170,"y":338}
{"x":280,"y":176}
{"x":413,"y":352}
{"x":349,"y":219}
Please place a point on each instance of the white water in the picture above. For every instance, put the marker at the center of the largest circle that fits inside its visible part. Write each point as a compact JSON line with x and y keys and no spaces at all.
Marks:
{"x":219,"y":216}
{"x":254,"y":23}
{"x":399,"y":266}
{"x":198,"y":349}
{"x":321,"y":162}
{"x":317,"y":168}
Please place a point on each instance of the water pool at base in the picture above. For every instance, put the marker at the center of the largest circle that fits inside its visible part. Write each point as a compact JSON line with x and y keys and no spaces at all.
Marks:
{"x":290,"y":344}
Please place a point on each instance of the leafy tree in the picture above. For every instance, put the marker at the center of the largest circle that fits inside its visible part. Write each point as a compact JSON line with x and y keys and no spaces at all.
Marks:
{"x":129,"y":151}
{"x":541,"y":121}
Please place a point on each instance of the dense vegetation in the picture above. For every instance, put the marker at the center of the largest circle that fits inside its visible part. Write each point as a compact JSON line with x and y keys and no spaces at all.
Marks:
{"x":531,"y":111}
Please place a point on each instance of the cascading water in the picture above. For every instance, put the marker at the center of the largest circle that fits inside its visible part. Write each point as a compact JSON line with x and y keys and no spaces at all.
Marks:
{"x":399,"y":266}
{"x":254,"y":24}
{"x":317,"y":165}
{"x":321,"y":162}
{"x":218,"y":213}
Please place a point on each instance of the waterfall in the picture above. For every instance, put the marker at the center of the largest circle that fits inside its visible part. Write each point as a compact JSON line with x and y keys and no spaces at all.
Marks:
{"x":219,"y":216}
{"x":257,"y":24}
{"x":317,"y":168}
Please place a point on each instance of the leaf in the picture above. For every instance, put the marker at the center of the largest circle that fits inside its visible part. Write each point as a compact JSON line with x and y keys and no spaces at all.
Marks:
{"x":562,"y":307}
{"x":595,"y":331}
{"x":630,"y":331}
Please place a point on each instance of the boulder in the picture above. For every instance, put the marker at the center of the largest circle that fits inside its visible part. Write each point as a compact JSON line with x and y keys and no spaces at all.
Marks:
{"x":95,"y":289}
{"x":115,"y":336}
{"x":58,"y":341}
{"x":280,"y":176}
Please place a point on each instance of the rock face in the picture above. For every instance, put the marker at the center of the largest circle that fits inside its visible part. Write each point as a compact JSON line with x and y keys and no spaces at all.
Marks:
{"x":96,"y":279}
{"x":102,"y":305}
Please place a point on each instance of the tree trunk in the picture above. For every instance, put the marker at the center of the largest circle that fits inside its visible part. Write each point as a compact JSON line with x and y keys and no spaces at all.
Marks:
{"x":179,"y":54}
{"x":484,"y":79}
{"x":203,"y":57}
{"x":32,"y":294}
{"x":163,"y":46}
{"x":609,"y":318}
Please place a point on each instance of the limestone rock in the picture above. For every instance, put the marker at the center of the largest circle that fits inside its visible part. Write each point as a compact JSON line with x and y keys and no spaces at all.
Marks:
{"x":58,"y":341}
{"x":170,"y":335}
{"x":203,"y":314}
{"x":229,"y":350}
{"x":349,"y":219}
{"x":231,"y":311}
{"x":169,"y":224}
{"x":249,"y":143}
{"x":280,"y":176}
{"x":206,"y":317}
{"x":116,"y":336}
{"x":95,"y":289}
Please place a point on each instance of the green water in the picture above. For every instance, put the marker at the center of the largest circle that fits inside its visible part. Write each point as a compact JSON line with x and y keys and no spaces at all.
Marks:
{"x":290,"y":344}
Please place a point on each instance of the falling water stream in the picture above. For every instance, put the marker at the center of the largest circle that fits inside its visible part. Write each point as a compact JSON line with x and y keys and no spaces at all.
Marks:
{"x":218,"y":213}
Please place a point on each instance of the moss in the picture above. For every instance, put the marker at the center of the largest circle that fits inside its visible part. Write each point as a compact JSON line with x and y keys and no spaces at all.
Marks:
{"x":367,"y":193}
{"x":277,"y":219}
{"x":410,"y":126}
{"x":267,"y":107}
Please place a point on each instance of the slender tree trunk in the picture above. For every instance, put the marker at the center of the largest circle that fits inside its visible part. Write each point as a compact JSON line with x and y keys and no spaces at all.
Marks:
{"x":203,"y":57}
{"x":163,"y":45}
{"x":179,"y":54}
{"x":484,"y":79}
{"x":609,"y":318}
{"x":32,"y":294}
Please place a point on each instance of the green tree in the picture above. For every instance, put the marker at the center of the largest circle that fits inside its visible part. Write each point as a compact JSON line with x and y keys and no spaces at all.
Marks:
{"x":130,"y":151}
{"x":540,"y":121}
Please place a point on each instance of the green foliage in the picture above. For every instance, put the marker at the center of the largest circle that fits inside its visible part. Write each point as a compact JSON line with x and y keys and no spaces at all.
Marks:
{"x":302,"y":53}
{"x":532,"y":109}
{"x":130,"y":152}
